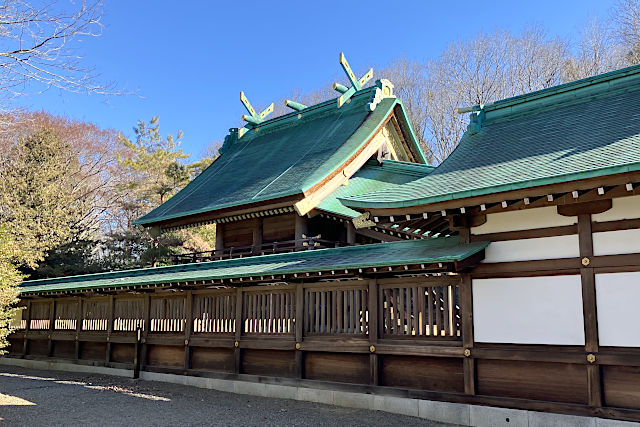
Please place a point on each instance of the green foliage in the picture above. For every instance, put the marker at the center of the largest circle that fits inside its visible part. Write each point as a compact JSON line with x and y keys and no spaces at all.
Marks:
{"x":153,"y":163}
{"x":10,"y":253}
{"x":40,"y":199}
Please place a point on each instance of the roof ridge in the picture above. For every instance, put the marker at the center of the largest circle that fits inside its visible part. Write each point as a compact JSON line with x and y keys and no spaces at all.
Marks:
{"x":632,"y":71}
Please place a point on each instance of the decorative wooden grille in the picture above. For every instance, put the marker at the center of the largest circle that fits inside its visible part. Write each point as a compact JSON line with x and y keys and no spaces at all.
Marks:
{"x":95,"y":313}
{"x":168,"y":314}
{"x":128,"y":314}
{"x":271,"y":312}
{"x":336,"y":311}
{"x":214,"y":313}
{"x":66,"y":315}
{"x":40,"y":313}
{"x":421,"y":311}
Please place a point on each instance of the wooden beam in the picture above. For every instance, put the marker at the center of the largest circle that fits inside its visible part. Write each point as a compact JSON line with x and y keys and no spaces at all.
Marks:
{"x":188,"y":310}
{"x":300,"y":309}
{"x":374,"y":316}
{"x":589,"y":309}
{"x":238,"y":333}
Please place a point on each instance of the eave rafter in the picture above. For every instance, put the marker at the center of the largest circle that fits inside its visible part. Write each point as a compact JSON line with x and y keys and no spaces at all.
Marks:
{"x":559,"y":197}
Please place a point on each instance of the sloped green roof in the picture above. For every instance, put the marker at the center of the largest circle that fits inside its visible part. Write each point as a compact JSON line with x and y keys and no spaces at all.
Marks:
{"x":373,"y":177}
{"x":579,"y":130}
{"x":382,"y":254}
{"x":282,"y":157}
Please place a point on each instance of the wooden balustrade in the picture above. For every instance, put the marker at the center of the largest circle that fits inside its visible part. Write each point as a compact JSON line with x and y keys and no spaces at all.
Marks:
{"x":420,"y":311}
{"x":214,"y":314}
{"x":270,"y":311}
{"x":336,"y":310}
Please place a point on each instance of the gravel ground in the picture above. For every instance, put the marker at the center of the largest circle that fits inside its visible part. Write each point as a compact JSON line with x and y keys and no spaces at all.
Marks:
{"x":43,"y":398}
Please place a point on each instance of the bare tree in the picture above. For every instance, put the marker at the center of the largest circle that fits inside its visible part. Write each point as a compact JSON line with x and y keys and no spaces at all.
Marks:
{"x":39,"y":44}
{"x":626,"y":18}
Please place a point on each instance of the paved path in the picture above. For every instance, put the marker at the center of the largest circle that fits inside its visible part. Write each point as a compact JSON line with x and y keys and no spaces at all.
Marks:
{"x":48,"y":398}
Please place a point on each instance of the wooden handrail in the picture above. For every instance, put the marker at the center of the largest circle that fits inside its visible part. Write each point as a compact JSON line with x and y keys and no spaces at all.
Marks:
{"x":309,"y":243}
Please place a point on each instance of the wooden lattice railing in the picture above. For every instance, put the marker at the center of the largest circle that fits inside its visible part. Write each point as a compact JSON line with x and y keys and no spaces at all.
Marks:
{"x":413,"y":308}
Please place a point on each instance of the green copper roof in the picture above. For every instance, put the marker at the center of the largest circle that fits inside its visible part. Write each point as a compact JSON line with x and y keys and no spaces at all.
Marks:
{"x":579,"y":130}
{"x":382,"y":254}
{"x":372,"y":177}
{"x":282,"y":157}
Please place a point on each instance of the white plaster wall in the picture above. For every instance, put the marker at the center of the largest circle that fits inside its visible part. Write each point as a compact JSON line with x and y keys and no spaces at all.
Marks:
{"x":616,"y":242}
{"x":526,"y":219}
{"x":617,"y":296}
{"x":622,"y":208}
{"x":533,"y":249}
{"x":528,"y":310}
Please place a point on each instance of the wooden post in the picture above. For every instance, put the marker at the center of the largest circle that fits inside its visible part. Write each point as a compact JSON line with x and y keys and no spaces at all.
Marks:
{"x":237,"y":354}
{"x":257,"y":235}
{"x":219,"y":237}
{"x":351,"y":232}
{"x":300,"y":227}
{"x":146,"y":327}
{"x":374,"y":316}
{"x":27,"y":328}
{"x":109,"y":327}
{"x":466,"y":316}
{"x":589,"y":308}
{"x":52,"y":322}
{"x":299,"y":330}
{"x":187,"y":329}
{"x":79,"y":317}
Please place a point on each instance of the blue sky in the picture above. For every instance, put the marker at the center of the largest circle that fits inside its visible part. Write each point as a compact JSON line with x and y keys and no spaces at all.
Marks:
{"x":187,"y":61}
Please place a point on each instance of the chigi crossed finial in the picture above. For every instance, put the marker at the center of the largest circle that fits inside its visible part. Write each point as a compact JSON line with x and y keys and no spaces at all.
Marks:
{"x":356,"y":84}
{"x":253,"y":119}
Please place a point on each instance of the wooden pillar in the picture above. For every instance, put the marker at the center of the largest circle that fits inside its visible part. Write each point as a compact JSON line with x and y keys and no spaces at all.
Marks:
{"x":219,"y":237}
{"x":52,"y":322}
{"x":374,"y":316}
{"x":466,"y":315}
{"x":351,"y":232}
{"x":27,"y":328}
{"x":589,"y":308}
{"x":79,"y":317}
{"x":237,"y":352}
{"x":299,"y":330}
{"x":146,"y":327}
{"x":257,"y":235}
{"x":188,"y":309}
{"x":109,"y":327}
{"x":301,"y":227}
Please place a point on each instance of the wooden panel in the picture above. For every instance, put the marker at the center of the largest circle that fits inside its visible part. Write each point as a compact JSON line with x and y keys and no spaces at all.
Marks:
{"x":40,"y":314}
{"x":273,"y":363}
{"x":93,"y":350}
{"x":558,"y":382}
{"x":64,"y":349}
{"x":38,"y":347}
{"x":15,"y":345}
{"x":336,"y":311}
{"x":166,"y":355}
{"x":168,"y":314}
{"x":238,"y":233}
{"x":94,"y":314}
{"x":339,"y":367}
{"x":66,"y":314}
{"x":270,"y":312}
{"x":621,"y":386}
{"x":122,"y":353}
{"x":278,"y":228}
{"x":424,"y":373}
{"x":214,"y":313}
{"x":128,"y":314}
{"x":421,"y":311}
{"x":212,"y":359}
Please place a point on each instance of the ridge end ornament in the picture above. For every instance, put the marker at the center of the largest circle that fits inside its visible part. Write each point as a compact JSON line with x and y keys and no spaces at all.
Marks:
{"x":253,"y":119}
{"x":356,"y":84}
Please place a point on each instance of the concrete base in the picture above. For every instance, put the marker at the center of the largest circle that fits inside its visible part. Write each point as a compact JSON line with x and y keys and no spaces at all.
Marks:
{"x":454,"y":413}
{"x":46,"y":365}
